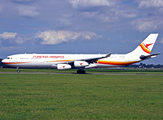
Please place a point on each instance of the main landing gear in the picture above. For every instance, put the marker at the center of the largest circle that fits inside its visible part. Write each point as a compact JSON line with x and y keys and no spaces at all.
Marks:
{"x":81,"y":71}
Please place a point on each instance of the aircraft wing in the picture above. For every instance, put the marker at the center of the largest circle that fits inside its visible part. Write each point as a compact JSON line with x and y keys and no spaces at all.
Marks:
{"x":89,"y":60}
{"x":144,"y":57}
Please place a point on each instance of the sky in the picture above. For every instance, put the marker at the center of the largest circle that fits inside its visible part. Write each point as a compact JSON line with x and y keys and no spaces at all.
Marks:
{"x":79,"y":26}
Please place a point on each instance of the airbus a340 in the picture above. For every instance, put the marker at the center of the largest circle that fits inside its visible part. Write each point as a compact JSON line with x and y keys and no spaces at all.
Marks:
{"x":83,"y":61}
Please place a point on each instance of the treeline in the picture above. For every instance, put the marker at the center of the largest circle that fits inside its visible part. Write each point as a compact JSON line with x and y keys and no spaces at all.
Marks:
{"x":141,"y":65}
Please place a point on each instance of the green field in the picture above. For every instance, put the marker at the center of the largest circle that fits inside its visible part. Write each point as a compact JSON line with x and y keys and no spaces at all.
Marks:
{"x":75,"y":96}
{"x":125,"y":71}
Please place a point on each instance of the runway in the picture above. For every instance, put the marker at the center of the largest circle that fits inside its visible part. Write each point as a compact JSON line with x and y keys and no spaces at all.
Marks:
{"x":81,"y":74}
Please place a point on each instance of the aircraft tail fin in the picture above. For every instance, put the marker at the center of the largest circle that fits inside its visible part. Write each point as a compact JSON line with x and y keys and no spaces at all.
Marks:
{"x":146,"y":46}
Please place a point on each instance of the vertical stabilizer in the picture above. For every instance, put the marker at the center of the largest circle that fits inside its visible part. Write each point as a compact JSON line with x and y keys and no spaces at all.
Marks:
{"x":146,"y":46}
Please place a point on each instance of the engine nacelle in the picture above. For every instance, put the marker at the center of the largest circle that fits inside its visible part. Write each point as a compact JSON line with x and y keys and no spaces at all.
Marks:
{"x":63,"y":66}
{"x":80,"y":63}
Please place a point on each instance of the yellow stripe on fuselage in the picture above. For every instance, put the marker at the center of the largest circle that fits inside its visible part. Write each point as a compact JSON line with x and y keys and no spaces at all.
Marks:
{"x":117,"y":62}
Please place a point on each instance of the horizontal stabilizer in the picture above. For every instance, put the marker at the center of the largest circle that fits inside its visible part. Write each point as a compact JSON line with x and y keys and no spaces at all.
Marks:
{"x":143,"y":57}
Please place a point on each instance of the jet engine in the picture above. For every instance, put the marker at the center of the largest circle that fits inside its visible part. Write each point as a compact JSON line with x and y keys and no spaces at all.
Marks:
{"x":63,"y":66}
{"x":80,"y":63}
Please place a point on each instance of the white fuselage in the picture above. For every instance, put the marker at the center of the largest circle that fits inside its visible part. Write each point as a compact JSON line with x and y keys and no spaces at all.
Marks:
{"x":52,"y":60}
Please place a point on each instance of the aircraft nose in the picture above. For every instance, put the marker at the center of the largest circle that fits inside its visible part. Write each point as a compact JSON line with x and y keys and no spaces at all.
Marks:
{"x":3,"y":61}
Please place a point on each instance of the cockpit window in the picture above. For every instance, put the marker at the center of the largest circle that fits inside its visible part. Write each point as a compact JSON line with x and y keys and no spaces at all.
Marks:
{"x":9,"y":58}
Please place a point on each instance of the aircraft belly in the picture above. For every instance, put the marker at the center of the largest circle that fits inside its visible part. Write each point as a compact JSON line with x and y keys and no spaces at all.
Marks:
{"x":106,"y":66}
{"x":30,"y":64}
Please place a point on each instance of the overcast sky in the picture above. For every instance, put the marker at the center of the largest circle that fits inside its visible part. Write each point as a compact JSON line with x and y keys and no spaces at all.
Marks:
{"x":79,"y":26}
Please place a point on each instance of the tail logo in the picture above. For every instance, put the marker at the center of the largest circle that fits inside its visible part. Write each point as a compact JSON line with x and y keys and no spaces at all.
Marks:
{"x":145,"y":47}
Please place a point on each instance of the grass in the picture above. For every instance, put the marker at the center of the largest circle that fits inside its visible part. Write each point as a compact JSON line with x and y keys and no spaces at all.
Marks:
{"x":64,"y":96}
{"x":126,"y":70}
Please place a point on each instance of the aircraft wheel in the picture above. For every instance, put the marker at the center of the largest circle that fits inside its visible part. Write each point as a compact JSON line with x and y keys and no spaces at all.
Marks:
{"x":78,"y":71}
{"x":81,"y":71}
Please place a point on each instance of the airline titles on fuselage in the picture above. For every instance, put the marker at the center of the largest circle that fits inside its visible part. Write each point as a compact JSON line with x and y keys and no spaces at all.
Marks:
{"x":40,"y":56}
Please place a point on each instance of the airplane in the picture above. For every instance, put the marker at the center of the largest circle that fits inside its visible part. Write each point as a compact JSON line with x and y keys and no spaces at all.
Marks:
{"x":83,"y":61}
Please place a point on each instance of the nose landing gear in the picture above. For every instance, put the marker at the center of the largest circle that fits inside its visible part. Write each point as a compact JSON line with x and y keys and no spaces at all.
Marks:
{"x":18,"y":70}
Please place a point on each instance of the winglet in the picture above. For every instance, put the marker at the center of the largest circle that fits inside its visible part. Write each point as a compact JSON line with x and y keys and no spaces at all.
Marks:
{"x":108,"y":55}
